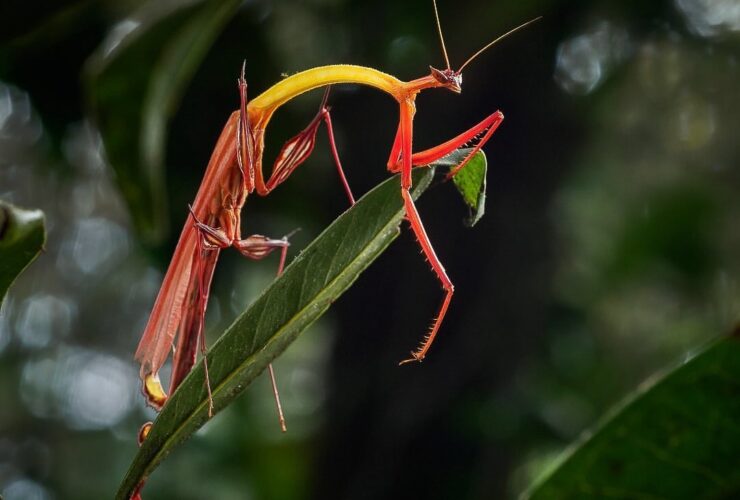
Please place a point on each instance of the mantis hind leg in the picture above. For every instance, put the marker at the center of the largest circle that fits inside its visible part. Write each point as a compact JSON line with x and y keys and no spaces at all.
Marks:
{"x":211,"y":241}
{"x":257,"y":247}
{"x":273,"y":381}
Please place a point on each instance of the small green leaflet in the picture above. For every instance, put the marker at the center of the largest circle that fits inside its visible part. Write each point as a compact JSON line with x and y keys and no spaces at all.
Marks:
{"x":470,"y":181}
{"x":22,"y":237}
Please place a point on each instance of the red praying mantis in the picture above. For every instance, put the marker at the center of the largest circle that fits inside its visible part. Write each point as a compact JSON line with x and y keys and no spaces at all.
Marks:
{"x":235,"y":171}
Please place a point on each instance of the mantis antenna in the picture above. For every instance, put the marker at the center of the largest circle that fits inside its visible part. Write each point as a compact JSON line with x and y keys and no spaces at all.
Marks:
{"x":496,"y":40}
{"x":441,"y":38}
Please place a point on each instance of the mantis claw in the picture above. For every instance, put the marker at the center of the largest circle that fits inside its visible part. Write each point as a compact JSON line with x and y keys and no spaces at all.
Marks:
{"x":414,"y":357}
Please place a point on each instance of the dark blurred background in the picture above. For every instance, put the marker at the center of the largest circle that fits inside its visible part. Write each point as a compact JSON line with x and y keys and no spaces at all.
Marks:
{"x":610,"y":247}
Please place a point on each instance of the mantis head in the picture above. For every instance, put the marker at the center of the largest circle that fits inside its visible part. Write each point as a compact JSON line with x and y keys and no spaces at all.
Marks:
{"x":448,"y":78}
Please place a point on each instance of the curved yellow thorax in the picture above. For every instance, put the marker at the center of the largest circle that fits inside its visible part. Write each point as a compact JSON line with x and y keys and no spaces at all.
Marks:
{"x":262,"y":106}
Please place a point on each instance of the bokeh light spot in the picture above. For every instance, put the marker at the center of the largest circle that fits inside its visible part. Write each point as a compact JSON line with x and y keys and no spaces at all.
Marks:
{"x":582,"y":62}
{"x":42,"y":316}
{"x":710,"y":18}
{"x":89,"y":390}
{"x":94,"y":245}
{"x":25,"y":489}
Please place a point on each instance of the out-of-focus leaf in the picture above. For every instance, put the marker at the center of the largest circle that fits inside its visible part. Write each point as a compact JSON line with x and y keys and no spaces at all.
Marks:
{"x":134,"y":84}
{"x":55,"y":19}
{"x":470,"y":181}
{"x":312,"y":282}
{"x":22,"y":237}
{"x":677,"y":437}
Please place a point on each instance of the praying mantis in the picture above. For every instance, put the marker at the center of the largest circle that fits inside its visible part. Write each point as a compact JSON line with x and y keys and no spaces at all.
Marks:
{"x":234,"y":172}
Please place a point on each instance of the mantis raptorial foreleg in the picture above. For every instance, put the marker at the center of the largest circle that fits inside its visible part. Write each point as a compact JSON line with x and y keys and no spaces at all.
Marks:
{"x":296,"y":150}
{"x":484,"y":130}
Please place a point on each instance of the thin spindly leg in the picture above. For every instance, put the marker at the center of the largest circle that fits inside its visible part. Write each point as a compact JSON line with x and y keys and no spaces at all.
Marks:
{"x":206,"y":266}
{"x":273,"y":381}
{"x":335,"y":154}
{"x":255,"y":246}
{"x":294,"y":152}
{"x":211,"y":241}
{"x":416,"y":225}
{"x":258,"y":247}
{"x":406,"y":129}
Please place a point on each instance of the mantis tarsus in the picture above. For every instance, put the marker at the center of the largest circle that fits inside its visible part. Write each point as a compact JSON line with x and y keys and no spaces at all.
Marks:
{"x":235,"y":171}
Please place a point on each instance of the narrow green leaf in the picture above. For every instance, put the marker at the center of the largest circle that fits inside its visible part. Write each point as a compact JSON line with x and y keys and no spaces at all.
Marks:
{"x":312,"y":282}
{"x":134,"y":84}
{"x":22,"y":237}
{"x":677,"y":437}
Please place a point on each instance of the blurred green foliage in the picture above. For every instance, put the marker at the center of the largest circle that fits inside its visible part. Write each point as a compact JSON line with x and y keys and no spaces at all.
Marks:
{"x":677,"y":438}
{"x":148,"y":60}
{"x":21,"y":239}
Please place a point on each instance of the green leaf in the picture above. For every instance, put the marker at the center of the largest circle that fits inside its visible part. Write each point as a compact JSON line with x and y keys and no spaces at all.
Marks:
{"x":470,"y":182}
{"x":312,"y":282}
{"x":22,"y":237}
{"x":134,"y":84}
{"x":677,"y":437}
